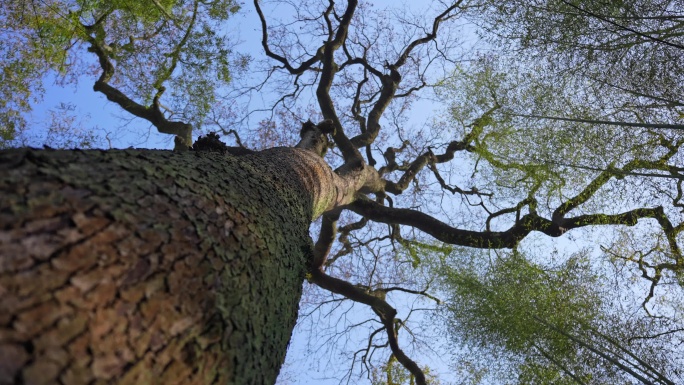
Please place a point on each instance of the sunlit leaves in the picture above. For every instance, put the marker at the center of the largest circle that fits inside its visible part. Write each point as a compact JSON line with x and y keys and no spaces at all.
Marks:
{"x":523,"y":153}
{"x":502,"y":305}
{"x":552,"y":322}
{"x":516,"y":305}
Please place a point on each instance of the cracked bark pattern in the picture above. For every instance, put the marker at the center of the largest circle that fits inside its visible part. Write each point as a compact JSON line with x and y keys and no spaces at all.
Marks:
{"x":149,"y":267}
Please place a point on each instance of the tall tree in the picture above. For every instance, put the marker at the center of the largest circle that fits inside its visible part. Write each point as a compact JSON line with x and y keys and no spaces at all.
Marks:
{"x":157,"y":267}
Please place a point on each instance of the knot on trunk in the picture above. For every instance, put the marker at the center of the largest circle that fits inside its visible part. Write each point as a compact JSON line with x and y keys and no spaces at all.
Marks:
{"x":314,"y":137}
{"x":210,"y":142}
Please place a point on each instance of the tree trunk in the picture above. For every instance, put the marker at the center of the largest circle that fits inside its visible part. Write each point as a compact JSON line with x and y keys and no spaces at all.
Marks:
{"x":149,"y":267}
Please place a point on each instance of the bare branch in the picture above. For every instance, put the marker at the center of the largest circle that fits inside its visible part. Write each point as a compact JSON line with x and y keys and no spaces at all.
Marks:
{"x":325,"y":239}
{"x":416,"y":166}
{"x":391,"y":81}
{"x":424,"y":293}
{"x":386,"y":313}
{"x":307,"y":64}
{"x":344,"y":240}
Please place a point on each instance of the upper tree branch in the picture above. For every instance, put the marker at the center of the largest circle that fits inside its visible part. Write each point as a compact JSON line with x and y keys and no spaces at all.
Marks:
{"x":431,"y":36}
{"x":352,"y":156}
{"x":152,"y":113}
{"x":426,"y":159}
{"x":430,"y":159}
{"x":605,"y":176}
{"x":410,"y":174}
{"x":307,"y":64}
{"x":390,"y":82}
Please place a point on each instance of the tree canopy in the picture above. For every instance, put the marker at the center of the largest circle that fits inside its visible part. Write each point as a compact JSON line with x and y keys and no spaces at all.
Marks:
{"x":516,"y":166}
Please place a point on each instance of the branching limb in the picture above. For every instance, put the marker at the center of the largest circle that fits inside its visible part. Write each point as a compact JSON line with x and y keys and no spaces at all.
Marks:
{"x":152,"y":113}
{"x":455,"y":189}
{"x":325,"y":55}
{"x":416,"y":166}
{"x":644,"y":267}
{"x":325,"y":239}
{"x":386,"y":312}
{"x":391,"y":158}
{"x":430,"y":159}
{"x":494,"y":239}
{"x":356,"y":113}
{"x":516,"y":209}
{"x":423,"y":293}
{"x":380,"y":307}
{"x":369,"y":349}
{"x":390,"y":82}
{"x":307,"y":64}
{"x":352,"y":156}
{"x":344,"y":240}
{"x":605,"y":176}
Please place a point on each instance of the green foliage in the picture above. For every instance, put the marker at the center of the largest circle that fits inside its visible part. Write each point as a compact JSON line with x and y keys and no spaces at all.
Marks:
{"x":521,"y":155}
{"x":581,"y":61}
{"x":179,"y":45}
{"x":416,"y":251}
{"x":503,"y":305}
{"x":535,"y":372}
{"x":552,"y":324}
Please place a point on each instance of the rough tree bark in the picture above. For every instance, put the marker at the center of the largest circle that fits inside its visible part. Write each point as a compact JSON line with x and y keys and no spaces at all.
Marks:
{"x":152,"y":267}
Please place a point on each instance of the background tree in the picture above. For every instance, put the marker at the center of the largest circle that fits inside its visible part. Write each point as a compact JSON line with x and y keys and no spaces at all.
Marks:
{"x":557,"y":325}
{"x":479,"y":178}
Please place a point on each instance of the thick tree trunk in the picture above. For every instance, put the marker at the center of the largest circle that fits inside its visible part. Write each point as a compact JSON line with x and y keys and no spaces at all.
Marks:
{"x":149,"y":267}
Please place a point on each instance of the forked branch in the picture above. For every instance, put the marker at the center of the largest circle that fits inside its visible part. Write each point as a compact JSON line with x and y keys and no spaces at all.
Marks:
{"x":386,"y":312}
{"x":152,"y":113}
